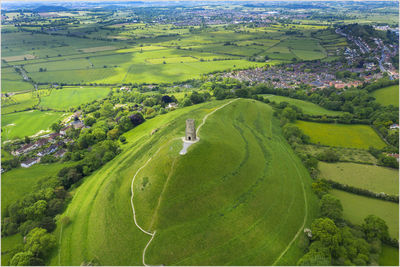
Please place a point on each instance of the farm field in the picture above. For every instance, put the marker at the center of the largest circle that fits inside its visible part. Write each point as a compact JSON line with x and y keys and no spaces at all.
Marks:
{"x":341,"y":135}
{"x":305,"y":106}
{"x":345,"y":154}
{"x":373,"y":178}
{"x":387,"y":96}
{"x":389,"y":256}
{"x":8,"y":244}
{"x":28,"y":123}
{"x":69,"y":97}
{"x":18,"y":102}
{"x":21,"y":181}
{"x":202,"y":217}
{"x":356,"y":208}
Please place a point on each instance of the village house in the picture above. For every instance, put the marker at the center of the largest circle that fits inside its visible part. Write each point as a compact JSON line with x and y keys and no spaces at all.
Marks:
{"x":28,"y":163}
{"x":394,"y":127}
{"x":64,"y":130}
{"x":172,"y":105}
{"x":396,"y":156}
{"x":22,"y":150}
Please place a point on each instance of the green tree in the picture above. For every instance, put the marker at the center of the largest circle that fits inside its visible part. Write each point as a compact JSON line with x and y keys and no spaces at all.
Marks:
{"x":331,"y":207}
{"x":290,"y":114}
{"x":39,"y":242}
{"x":320,"y":187}
{"x":315,"y":258}
{"x":325,"y":230}
{"x":22,"y":259}
{"x":375,"y":228}
{"x":56,"y":127}
{"x":37,"y":210}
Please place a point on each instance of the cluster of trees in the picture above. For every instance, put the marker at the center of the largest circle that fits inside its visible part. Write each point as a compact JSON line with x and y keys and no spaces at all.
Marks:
{"x":383,"y":159}
{"x":333,"y":241}
{"x":195,"y":98}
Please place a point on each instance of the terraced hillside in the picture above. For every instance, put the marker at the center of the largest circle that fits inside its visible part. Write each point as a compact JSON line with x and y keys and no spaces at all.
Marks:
{"x":239,"y":195}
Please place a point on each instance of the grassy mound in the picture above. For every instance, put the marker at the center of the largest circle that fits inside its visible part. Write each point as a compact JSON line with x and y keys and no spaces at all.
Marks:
{"x":374,"y":178}
{"x":239,"y":196}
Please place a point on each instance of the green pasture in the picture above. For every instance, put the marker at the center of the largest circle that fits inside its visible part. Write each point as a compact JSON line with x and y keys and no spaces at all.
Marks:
{"x":345,"y":154}
{"x":240,"y":188}
{"x":68,"y":97}
{"x":5,"y":155}
{"x":387,"y":96}
{"x":18,"y":102}
{"x":21,"y":181}
{"x":9,"y":244}
{"x":305,"y":106}
{"x":370,"y":177}
{"x":356,"y":208}
{"x":389,"y":256}
{"x":27,"y":123}
{"x":11,"y":81}
{"x":341,"y":135}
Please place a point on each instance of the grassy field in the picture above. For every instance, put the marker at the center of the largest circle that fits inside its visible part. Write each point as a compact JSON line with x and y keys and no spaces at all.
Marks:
{"x":387,"y":96}
{"x":8,"y":244}
{"x":345,"y":154}
{"x":21,"y":181}
{"x":373,"y":178}
{"x":69,"y":97}
{"x":18,"y":102}
{"x":27,"y":123}
{"x":239,"y":189}
{"x":341,"y":135}
{"x":389,"y":256}
{"x":356,"y":208}
{"x":306,"y":107}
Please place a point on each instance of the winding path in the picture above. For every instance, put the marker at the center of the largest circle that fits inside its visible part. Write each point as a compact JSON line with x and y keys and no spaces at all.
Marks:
{"x":145,"y":164}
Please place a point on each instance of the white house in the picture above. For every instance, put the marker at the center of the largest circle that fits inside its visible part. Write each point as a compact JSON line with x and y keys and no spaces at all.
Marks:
{"x":29,"y":162}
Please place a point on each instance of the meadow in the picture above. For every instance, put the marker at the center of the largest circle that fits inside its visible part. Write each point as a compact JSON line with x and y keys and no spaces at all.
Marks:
{"x":341,"y":135}
{"x":28,"y":123}
{"x":387,"y":96}
{"x":8,"y":245}
{"x":204,"y":205}
{"x":345,"y":154}
{"x":356,"y":208}
{"x":18,"y":102}
{"x":70,"y":97}
{"x":373,"y":178}
{"x":21,"y":181}
{"x":389,"y":256}
{"x":305,"y":106}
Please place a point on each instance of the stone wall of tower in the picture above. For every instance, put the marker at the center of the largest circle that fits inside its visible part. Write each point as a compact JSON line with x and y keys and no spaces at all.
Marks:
{"x":190,"y":130}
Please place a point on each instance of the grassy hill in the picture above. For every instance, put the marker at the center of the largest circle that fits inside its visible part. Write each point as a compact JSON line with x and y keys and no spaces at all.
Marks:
{"x":239,"y":196}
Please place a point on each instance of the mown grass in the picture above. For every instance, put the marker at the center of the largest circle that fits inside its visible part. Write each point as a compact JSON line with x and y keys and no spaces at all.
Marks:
{"x":305,"y":106}
{"x":373,"y":178}
{"x":341,"y":135}
{"x":389,"y":256}
{"x":238,"y":189}
{"x":356,"y":208}
{"x":387,"y":96}
{"x":69,"y":97}
{"x":27,"y":123}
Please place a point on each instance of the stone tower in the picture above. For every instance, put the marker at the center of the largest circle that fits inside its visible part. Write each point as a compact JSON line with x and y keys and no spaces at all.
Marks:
{"x":190,"y":130}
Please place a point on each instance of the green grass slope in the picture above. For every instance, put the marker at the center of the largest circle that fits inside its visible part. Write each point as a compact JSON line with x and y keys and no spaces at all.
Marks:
{"x":387,"y":96}
{"x":389,"y":256}
{"x":341,"y":135}
{"x":374,"y":178}
{"x":239,"y":196}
